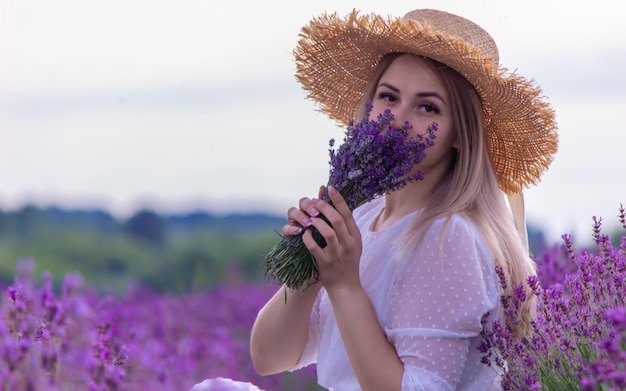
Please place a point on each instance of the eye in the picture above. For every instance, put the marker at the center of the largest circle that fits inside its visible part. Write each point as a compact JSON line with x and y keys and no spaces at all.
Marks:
{"x":387,"y":97}
{"x":429,"y":108}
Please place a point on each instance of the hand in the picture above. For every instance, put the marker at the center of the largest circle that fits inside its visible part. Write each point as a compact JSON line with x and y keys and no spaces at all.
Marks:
{"x":338,"y":261}
{"x":299,"y":219}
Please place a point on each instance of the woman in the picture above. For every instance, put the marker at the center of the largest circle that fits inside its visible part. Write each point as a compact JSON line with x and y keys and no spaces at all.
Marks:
{"x":405,"y":280}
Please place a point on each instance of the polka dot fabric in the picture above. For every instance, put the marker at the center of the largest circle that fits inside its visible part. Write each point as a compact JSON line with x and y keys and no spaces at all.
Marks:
{"x":429,"y":300}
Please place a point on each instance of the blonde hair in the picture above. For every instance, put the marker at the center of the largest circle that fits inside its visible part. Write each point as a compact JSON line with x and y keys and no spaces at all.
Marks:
{"x":470,"y":186}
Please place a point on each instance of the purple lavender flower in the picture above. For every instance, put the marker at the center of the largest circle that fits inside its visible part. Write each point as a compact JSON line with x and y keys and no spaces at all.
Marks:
{"x":376,"y":159}
{"x":78,"y":340}
{"x":578,"y":337}
{"x":373,"y":160}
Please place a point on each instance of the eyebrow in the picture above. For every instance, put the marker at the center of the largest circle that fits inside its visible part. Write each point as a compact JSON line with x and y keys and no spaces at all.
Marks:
{"x":425,"y":94}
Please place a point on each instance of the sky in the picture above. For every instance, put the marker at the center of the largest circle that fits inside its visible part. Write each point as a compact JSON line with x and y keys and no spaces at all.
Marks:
{"x":176,"y":106}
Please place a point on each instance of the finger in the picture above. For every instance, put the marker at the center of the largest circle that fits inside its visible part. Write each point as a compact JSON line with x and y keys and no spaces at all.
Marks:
{"x":327,"y":232}
{"x":343,"y":209}
{"x":299,"y":217}
{"x":321,"y":192}
{"x":311,"y":244}
{"x":335,"y":219}
{"x":291,"y":230}
{"x":307,"y":205}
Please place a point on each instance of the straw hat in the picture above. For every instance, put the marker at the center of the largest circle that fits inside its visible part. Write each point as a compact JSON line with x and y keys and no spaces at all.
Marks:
{"x":335,"y":58}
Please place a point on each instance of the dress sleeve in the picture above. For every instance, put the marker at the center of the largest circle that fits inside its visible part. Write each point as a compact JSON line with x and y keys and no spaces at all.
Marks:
{"x":439,"y":294}
{"x":309,"y":354}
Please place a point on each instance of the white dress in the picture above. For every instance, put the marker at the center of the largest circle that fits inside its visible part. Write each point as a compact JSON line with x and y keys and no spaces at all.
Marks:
{"x":429,"y":302}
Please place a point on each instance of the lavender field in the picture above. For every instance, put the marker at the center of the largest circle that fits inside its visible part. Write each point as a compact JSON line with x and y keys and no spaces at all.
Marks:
{"x":74,"y":338}
{"x":78,"y":340}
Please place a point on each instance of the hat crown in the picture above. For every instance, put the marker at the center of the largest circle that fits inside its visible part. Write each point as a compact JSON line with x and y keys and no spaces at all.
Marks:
{"x":455,"y":26}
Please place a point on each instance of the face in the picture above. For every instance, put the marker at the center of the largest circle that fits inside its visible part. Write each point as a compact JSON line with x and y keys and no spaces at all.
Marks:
{"x":415,"y":95}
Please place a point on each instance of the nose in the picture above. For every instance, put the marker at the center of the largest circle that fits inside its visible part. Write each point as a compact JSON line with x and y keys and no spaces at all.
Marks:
{"x":400,"y":116}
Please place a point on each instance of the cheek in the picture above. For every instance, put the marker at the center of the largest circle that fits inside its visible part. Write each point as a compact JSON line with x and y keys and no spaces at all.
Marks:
{"x":445,"y":141}
{"x":446,"y":136}
{"x":377,"y":109}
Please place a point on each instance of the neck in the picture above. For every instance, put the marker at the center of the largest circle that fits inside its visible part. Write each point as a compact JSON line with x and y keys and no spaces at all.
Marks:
{"x":410,"y":198}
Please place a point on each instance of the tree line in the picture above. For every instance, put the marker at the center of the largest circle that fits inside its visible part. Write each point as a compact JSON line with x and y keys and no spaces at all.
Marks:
{"x":168,"y":253}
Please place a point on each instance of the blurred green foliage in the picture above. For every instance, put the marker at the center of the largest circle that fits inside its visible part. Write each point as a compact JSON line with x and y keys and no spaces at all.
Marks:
{"x":169,"y":253}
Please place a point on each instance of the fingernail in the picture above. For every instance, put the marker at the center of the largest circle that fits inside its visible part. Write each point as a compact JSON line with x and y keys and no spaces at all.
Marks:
{"x":306,"y":222}
{"x":314,"y":212}
{"x":296,"y":230}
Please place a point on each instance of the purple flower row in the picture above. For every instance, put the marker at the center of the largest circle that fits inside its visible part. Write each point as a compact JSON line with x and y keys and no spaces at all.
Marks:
{"x":77,"y":340}
{"x":577,"y":341}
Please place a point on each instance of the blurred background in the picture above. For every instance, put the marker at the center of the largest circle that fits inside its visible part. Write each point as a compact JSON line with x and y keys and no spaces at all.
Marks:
{"x":162,"y":142}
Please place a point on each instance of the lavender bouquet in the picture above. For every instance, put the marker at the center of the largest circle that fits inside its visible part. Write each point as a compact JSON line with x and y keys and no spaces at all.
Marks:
{"x":373,"y":160}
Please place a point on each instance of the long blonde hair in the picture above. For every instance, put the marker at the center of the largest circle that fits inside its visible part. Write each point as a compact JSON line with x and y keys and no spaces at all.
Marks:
{"x":470,"y":186}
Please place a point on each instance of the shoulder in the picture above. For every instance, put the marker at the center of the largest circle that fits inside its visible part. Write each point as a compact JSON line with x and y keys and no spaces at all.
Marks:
{"x":454,"y":226}
{"x":454,"y":237}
